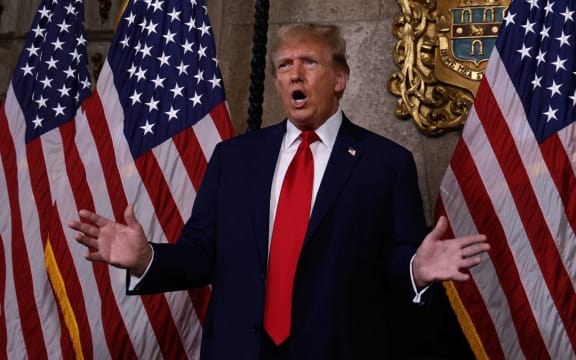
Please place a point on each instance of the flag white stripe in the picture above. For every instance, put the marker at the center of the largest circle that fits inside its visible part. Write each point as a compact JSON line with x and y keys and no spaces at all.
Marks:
{"x":533,"y":282}
{"x":15,"y":340}
{"x":135,"y":316}
{"x":179,"y":302}
{"x":207,"y":134}
{"x":183,"y":190}
{"x":535,"y":165}
{"x":84,"y":269}
{"x":567,"y":136}
{"x":60,"y":188}
{"x":43,"y":296}
{"x":187,"y":322}
{"x":131,"y":181}
{"x":131,"y":307}
{"x":484,"y":274}
{"x":96,"y":180}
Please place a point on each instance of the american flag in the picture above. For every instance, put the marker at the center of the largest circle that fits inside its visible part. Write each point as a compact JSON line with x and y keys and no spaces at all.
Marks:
{"x":144,"y":137}
{"x":512,"y":177}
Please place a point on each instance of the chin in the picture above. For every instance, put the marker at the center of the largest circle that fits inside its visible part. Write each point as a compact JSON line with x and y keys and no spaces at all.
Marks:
{"x":304,"y":123}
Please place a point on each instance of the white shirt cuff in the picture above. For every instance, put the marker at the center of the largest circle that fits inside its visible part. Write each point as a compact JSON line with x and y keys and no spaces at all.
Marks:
{"x":418,"y":297}
{"x":135,"y":280}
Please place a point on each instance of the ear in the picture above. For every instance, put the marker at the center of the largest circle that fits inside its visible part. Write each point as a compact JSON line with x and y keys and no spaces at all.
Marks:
{"x":341,"y":81}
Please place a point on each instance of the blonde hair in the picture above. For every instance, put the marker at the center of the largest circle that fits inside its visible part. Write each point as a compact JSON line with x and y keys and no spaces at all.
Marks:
{"x":327,"y":34}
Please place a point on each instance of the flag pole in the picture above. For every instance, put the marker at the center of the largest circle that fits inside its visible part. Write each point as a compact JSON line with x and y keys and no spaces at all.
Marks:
{"x":258,"y":64}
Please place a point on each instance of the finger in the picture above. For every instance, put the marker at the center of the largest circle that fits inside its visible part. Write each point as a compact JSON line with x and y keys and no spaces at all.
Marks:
{"x":475,"y":249}
{"x":470,"y":262}
{"x":440,"y":228}
{"x":470,"y":240}
{"x":129,"y":216}
{"x":74,"y":225}
{"x":87,"y":241}
{"x":94,"y":218}
{"x":93,"y":256}
{"x":460,"y":277}
{"x":84,"y":228}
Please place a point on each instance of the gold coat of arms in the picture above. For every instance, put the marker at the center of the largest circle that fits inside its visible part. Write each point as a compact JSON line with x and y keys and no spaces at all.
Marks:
{"x":442,"y":52}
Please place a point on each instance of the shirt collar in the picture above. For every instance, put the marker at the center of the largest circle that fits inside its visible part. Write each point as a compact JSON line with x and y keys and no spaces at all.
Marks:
{"x":327,"y":132}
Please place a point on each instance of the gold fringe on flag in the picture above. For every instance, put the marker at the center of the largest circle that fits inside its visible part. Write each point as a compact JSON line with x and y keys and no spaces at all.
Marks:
{"x":465,"y":321}
{"x":57,"y":282}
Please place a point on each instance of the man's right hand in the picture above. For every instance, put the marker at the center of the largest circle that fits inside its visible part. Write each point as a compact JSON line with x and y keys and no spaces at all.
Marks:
{"x":123,"y":246}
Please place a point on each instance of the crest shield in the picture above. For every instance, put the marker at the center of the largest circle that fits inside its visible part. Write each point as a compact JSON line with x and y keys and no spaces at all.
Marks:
{"x":442,"y":53}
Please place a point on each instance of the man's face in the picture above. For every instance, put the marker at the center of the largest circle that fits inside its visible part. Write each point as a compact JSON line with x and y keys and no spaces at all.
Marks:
{"x":307,"y":82}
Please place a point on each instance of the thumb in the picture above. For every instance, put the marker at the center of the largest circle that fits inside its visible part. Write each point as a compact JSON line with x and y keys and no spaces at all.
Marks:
{"x":439,"y":229}
{"x":129,"y":216}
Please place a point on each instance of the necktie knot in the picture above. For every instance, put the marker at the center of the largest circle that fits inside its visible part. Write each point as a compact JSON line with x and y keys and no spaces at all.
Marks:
{"x":309,"y":137}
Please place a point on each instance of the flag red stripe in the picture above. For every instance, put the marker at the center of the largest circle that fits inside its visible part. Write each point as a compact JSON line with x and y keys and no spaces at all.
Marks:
{"x":200,"y":298}
{"x":542,"y":241}
{"x":221,"y":119}
{"x":195,"y":164}
{"x":114,"y":327}
{"x":77,"y":177}
{"x":73,"y":290}
{"x":28,"y":312}
{"x":560,"y":169}
{"x":160,"y":195}
{"x":42,"y":198}
{"x":171,"y":223}
{"x":40,"y":184}
{"x":192,"y":156}
{"x":3,"y":273}
{"x":478,"y":313}
{"x":486,"y":220}
{"x":156,"y":305}
{"x":99,"y":128}
{"x":3,"y":330}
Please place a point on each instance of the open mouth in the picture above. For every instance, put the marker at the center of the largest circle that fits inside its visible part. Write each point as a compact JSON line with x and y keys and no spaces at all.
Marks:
{"x":298,"y":98}
{"x":298,"y":95}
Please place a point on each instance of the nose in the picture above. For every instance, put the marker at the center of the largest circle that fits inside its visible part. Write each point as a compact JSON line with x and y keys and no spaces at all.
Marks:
{"x":296,"y":71}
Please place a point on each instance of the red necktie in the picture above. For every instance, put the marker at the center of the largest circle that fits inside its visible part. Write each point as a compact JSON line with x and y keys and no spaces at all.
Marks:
{"x":290,"y":226}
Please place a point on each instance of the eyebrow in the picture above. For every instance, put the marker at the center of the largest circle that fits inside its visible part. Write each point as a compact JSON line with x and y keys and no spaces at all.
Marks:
{"x":303,"y":56}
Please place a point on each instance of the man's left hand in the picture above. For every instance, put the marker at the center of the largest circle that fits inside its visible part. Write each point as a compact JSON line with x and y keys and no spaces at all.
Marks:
{"x":440,"y":259}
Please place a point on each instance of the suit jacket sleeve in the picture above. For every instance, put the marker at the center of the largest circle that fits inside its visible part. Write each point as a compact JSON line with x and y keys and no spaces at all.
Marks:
{"x":409,"y":224}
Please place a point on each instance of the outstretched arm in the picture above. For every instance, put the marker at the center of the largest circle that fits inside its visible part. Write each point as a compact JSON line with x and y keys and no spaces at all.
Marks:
{"x":439,"y":260}
{"x":123,"y":246}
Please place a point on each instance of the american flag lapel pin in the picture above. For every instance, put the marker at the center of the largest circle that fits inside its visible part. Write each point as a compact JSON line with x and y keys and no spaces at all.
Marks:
{"x":352,"y":151}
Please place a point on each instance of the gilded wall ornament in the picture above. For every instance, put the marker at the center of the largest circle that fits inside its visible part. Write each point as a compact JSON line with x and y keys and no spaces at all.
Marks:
{"x":442,"y":53}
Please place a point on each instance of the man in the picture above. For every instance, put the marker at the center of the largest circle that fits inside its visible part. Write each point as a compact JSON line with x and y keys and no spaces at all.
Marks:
{"x":361,"y":247}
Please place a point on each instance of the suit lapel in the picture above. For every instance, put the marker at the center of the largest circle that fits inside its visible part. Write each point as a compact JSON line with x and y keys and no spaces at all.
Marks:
{"x":265,"y":164}
{"x":344,"y":157}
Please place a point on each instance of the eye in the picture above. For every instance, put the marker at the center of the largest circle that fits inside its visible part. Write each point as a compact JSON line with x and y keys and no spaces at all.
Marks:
{"x":310,"y":62}
{"x":282,"y":66}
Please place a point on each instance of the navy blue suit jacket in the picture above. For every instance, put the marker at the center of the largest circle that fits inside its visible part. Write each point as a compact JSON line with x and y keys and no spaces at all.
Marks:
{"x":366,"y":224}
